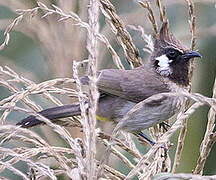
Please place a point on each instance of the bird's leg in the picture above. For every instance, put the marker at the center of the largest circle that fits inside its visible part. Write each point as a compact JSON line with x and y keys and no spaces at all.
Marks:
{"x":141,"y":134}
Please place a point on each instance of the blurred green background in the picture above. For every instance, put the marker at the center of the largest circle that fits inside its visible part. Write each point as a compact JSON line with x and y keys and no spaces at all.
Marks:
{"x":41,"y":49}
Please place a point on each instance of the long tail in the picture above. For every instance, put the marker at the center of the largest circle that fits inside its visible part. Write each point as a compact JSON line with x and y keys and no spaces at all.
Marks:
{"x":52,"y":114}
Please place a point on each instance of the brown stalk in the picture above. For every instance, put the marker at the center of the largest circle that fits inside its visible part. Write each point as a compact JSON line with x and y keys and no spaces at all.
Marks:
{"x":122,"y":35}
{"x":162,"y":11}
{"x":151,"y":17}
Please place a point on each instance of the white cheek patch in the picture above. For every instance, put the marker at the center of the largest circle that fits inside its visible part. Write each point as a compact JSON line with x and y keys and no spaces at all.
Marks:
{"x":163,"y":64}
{"x":163,"y":61}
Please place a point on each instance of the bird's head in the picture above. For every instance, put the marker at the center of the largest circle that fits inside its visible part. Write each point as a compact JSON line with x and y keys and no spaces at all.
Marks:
{"x":170,"y":57}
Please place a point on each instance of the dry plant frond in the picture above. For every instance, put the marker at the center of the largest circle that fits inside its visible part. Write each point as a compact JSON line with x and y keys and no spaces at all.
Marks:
{"x":162,"y":11}
{"x":122,"y":35}
{"x":15,"y":22}
{"x":183,"y":131}
{"x":116,"y":58}
{"x":147,"y":38}
{"x":63,"y":16}
{"x":31,"y":88}
{"x":19,"y":154}
{"x":151,"y":17}
{"x":60,"y":130}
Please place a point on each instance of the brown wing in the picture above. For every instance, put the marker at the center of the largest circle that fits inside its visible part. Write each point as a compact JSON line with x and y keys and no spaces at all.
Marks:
{"x":133,"y":85}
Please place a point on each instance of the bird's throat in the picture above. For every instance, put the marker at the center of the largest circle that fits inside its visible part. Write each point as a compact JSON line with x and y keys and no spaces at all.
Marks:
{"x":180,"y":74}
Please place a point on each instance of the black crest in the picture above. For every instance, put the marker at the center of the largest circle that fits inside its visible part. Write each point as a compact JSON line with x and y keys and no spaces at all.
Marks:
{"x":178,"y":70}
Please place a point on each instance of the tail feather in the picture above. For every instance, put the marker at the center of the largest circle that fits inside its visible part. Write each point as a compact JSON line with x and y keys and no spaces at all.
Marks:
{"x":52,"y":114}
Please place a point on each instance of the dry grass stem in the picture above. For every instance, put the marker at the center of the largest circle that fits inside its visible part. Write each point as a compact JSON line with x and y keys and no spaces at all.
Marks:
{"x":83,"y":107}
{"x":208,"y":140}
{"x":60,"y":130}
{"x":25,"y":155}
{"x":186,"y":176}
{"x":14,"y":170}
{"x":63,"y":16}
{"x":119,"y":143}
{"x":155,"y":167}
{"x":116,"y":58}
{"x":119,"y":155}
{"x":128,"y":140}
{"x":183,"y":131}
{"x":151,"y":17}
{"x":92,"y":47}
{"x":162,"y":11}
{"x":15,"y":22}
{"x":122,"y":35}
{"x":11,"y":76}
{"x":147,"y":38}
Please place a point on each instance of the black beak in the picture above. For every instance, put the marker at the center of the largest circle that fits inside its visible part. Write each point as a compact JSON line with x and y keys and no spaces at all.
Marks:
{"x":191,"y":54}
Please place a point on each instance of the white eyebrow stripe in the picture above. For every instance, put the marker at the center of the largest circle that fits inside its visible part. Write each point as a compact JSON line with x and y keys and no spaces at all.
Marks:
{"x":177,"y":49}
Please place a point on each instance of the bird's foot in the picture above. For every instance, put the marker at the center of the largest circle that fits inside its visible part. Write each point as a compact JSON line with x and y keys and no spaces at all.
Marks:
{"x":164,"y":125}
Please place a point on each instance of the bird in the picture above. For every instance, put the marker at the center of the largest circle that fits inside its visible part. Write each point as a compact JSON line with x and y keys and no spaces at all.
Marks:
{"x":166,"y":71}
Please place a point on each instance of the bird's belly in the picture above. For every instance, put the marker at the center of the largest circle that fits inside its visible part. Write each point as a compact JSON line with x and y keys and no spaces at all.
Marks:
{"x":113,"y":108}
{"x":147,"y":115}
{"x":135,"y":117}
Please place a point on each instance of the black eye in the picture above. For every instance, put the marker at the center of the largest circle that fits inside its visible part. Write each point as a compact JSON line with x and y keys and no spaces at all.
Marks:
{"x":172,"y":53}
